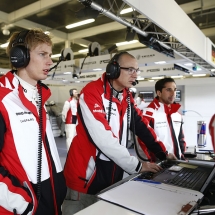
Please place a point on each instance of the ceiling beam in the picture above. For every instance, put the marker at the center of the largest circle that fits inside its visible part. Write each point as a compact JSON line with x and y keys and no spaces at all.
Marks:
{"x":195,"y":6}
{"x":33,"y":8}
{"x":113,"y":26}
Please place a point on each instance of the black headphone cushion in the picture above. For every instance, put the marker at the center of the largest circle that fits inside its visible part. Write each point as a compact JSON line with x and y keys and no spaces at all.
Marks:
{"x":19,"y":56}
{"x":71,"y":92}
{"x":113,"y":70}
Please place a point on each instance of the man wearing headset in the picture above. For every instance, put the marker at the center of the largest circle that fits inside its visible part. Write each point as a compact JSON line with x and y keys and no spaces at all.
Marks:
{"x":69,"y":116}
{"x":98,"y":155}
{"x":31,"y":178}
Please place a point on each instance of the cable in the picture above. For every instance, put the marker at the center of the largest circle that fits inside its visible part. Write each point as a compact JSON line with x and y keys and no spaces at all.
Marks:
{"x":184,"y":111}
{"x":39,"y":163}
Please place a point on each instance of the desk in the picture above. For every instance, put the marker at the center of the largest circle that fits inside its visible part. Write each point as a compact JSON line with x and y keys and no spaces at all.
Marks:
{"x":105,"y":208}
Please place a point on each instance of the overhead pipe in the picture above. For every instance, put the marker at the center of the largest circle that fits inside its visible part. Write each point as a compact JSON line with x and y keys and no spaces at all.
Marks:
{"x":93,"y":5}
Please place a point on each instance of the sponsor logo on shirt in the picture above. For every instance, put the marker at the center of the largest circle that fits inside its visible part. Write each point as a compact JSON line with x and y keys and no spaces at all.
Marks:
{"x":100,"y":111}
{"x":23,"y":113}
{"x":96,"y":105}
{"x":26,"y":120}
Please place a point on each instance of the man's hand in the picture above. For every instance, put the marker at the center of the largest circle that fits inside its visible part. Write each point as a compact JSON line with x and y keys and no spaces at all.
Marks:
{"x":171,"y":156}
{"x":150,"y":167}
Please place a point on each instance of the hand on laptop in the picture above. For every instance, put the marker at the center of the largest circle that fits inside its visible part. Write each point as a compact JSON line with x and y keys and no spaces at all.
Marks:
{"x":150,"y":167}
{"x":171,"y":156}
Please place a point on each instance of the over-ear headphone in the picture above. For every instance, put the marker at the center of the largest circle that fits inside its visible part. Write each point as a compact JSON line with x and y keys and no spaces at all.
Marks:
{"x":113,"y":67}
{"x":19,"y":53}
{"x":71,"y":91}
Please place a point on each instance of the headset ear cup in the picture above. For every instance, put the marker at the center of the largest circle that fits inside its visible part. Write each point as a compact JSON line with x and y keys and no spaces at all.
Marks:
{"x":113,"y":70}
{"x":71,"y":92}
{"x":19,"y":56}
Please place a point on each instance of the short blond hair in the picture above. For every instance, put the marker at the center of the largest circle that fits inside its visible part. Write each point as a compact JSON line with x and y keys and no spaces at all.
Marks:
{"x":33,"y":38}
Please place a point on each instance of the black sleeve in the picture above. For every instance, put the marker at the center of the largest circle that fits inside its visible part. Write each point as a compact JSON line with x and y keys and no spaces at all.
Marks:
{"x":2,"y":131}
{"x":181,"y":140}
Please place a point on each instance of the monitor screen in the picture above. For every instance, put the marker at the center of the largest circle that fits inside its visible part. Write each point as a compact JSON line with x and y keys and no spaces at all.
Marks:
{"x":178,"y":96}
{"x":148,"y":96}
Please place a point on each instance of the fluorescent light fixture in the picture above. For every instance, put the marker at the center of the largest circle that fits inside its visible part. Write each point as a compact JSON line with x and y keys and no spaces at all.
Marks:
{"x":140,"y":78}
{"x":126,"y":43}
{"x":83,"y":51}
{"x":55,"y":55}
{"x":4,"y":45}
{"x":158,"y":77}
{"x":160,"y":62}
{"x":199,"y":69}
{"x":199,"y":75}
{"x":212,"y":70}
{"x":127,"y":10}
{"x":151,"y":80}
{"x":98,"y":69}
{"x":83,"y":45}
{"x":188,"y":64}
{"x":87,"y":21}
{"x":67,"y":73}
{"x":47,"y":32}
{"x":177,"y":76}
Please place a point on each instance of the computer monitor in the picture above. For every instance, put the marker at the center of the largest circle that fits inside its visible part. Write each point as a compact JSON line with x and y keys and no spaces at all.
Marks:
{"x":148,"y":96}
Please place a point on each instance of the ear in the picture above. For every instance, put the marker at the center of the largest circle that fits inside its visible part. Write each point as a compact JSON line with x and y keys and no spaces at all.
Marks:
{"x":159,"y":93}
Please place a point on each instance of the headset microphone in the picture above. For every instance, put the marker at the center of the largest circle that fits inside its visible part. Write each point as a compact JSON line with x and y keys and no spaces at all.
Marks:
{"x":135,"y":82}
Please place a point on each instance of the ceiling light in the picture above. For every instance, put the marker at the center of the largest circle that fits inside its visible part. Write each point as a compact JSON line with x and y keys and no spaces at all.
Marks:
{"x":212,"y":70}
{"x":5,"y":32}
{"x":55,"y":55}
{"x":80,"y":23}
{"x":98,"y":69}
{"x":151,"y":80}
{"x":126,"y":43}
{"x":83,"y":45}
{"x":127,"y":10}
{"x":160,"y":62}
{"x":47,"y":32}
{"x":158,"y":77}
{"x":177,"y":76}
{"x":199,"y":75}
{"x":188,"y":64}
{"x":67,"y":73}
{"x":83,"y":50}
{"x":5,"y":45}
{"x":139,"y":78}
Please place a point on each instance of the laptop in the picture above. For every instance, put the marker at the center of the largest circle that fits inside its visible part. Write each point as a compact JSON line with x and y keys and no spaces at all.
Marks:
{"x":194,"y":174}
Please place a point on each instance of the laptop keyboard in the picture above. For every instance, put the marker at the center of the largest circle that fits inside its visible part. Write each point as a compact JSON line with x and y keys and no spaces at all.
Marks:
{"x":187,"y":178}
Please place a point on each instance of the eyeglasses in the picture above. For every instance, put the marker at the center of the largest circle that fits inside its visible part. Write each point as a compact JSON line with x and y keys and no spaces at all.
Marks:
{"x":131,"y":70}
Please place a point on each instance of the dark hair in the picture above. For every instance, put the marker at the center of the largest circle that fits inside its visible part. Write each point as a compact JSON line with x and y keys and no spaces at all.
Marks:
{"x":71,"y":91}
{"x":160,"y":84}
{"x":141,"y":95}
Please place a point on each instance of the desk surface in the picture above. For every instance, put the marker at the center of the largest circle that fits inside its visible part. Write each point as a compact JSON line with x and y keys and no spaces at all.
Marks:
{"x":105,"y":208}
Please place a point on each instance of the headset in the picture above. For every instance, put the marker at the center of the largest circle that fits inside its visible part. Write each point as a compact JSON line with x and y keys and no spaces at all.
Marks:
{"x":19,"y":53}
{"x":113,"y":67}
{"x":71,"y":91}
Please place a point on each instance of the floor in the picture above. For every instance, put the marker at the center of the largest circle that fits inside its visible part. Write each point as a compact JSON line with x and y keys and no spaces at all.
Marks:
{"x":62,"y":150}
